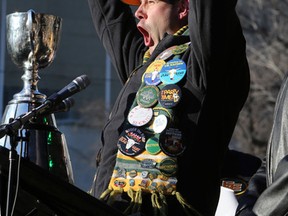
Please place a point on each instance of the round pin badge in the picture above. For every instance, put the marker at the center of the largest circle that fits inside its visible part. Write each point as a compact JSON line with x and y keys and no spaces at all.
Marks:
{"x":170,"y":96}
{"x":139,"y":116}
{"x":147,"y":96}
{"x":119,"y":183}
{"x":173,"y":71}
{"x":166,"y":53}
{"x":180,"y":49}
{"x":171,"y":142}
{"x":132,"y":182}
{"x":168,"y":166}
{"x":148,"y":164}
{"x":152,"y":175}
{"x":151,"y":75}
{"x":159,"y":124}
{"x":239,"y":186}
{"x":131,"y":142}
{"x":152,"y":145}
{"x":133,"y":173}
{"x":144,"y":174}
{"x":158,"y":110}
{"x":121,"y":172}
{"x":161,"y":110}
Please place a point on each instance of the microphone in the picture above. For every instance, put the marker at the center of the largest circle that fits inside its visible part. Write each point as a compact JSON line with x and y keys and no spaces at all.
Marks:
{"x":60,"y":98}
{"x":52,"y":102}
{"x":75,"y":86}
{"x":63,"y":106}
{"x":43,"y":109}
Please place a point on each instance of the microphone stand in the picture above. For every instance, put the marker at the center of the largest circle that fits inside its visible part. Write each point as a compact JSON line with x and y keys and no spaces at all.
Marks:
{"x":11,"y":129}
{"x":11,"y":173}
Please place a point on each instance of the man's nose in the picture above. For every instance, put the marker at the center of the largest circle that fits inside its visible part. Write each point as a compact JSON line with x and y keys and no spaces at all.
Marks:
{"x":140,"y":12}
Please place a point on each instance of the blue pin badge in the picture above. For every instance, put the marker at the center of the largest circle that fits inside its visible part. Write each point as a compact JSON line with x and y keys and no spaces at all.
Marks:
{"x":173,"y":71}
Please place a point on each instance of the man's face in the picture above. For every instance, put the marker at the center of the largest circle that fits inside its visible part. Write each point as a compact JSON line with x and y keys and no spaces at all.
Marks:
{"x":157,"y":17}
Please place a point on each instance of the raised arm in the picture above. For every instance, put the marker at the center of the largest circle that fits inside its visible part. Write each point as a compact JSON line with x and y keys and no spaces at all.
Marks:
{"x":116,"y":29}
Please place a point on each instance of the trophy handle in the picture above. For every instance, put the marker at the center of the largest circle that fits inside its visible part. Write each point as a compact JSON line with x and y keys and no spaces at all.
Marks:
{"x":29,"y":24}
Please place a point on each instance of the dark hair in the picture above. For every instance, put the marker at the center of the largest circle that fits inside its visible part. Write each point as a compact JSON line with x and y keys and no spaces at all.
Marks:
{"x":172,"y":1}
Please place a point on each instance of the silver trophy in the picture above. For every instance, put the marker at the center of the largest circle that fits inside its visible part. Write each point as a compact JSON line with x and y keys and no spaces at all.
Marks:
{"x":32,"y":42}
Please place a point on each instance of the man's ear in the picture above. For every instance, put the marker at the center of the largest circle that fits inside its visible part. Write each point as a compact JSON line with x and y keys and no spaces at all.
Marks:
{"x":183,"y":8}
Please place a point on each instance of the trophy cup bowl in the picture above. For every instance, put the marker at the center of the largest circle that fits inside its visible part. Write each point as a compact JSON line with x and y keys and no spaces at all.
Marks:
{"x":32,"y":38}
{"x":32,"y":42}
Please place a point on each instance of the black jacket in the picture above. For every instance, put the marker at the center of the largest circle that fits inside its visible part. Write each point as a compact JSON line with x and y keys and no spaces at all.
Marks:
{"x":267,"y":193}
{"x":214,"y":91}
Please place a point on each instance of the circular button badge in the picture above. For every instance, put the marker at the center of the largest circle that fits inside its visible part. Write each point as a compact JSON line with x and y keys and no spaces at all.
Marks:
{"x":133,"y":173}
{"x":166,"y":53}
{"x":173,"y":71}
{"x":159,"y":124}
{"x":156,"y":112}
{"x":147,"y":96}
{"x":170,"y":96}
{"x":161,"y":110}
{"x":181,"y":48}
{"x":151,"y":75}
{"x":168,"y":167}
{"x":139,"y":116}
{"x":239,"y":186}
{"x":131,"y":142}
{"x":152,"y":145}
{"x":171,"y":142}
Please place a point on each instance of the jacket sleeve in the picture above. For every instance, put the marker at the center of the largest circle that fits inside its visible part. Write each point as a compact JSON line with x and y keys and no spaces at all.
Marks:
{"x":218,"y":44}
{"x":274,"y":200}
{"x":257,"y":185}
{"x":218,"y":49}
{"x":116,"y":28}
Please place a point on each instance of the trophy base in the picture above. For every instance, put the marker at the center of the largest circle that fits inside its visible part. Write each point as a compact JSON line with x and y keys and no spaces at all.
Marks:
{"x":40,"y":141}
{"x":25,"y":96}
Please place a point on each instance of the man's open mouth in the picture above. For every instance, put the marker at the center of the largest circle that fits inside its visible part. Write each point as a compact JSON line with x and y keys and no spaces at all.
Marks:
{"x":146,"y":36}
